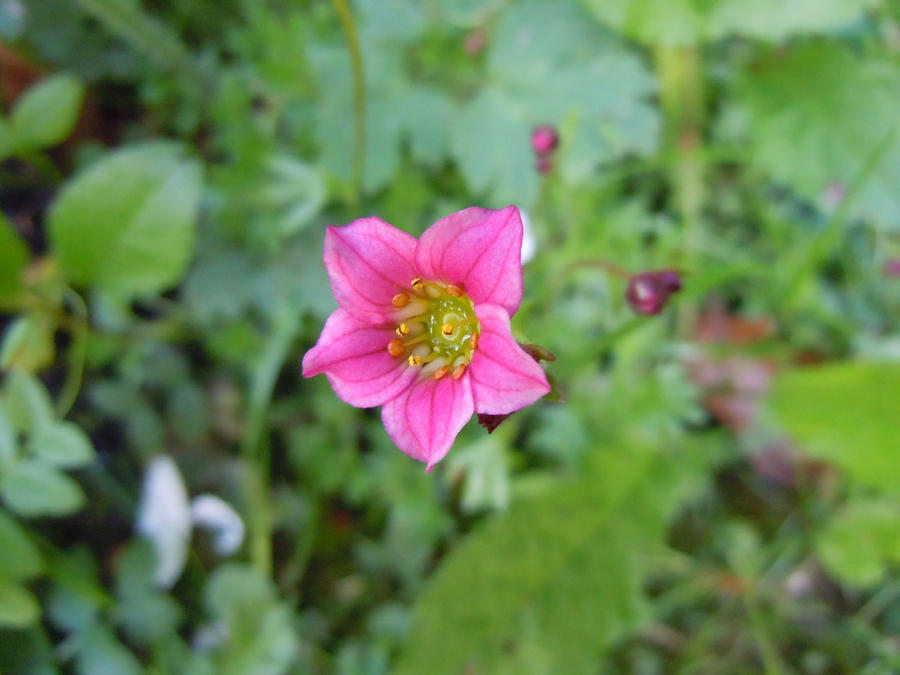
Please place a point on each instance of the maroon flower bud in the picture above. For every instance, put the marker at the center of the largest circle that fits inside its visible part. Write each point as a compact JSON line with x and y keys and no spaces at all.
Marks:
{"x":892,"y":268}
{"x":543,"y":165}
{"x":544,"y":139}
{"x":648,"y":292}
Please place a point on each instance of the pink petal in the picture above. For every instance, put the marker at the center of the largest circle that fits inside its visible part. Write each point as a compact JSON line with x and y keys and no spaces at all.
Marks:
{"x":479,"y":250}
{"x":504,"y":377}
{"x":424,"y":420}
{"x":368,"y":262}
{"x":354,"y":357}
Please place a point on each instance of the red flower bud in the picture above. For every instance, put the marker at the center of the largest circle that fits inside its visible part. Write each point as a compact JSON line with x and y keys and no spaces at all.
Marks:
{"x":648,"y":292}
{"x":544,"y":139}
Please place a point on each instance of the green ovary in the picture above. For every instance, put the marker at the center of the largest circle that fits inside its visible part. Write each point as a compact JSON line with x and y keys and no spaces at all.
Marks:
{"x":458,"y":313}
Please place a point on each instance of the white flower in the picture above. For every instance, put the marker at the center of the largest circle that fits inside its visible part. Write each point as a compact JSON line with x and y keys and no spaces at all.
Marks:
{"x":166,"y":518}
{"x":211,"y":513}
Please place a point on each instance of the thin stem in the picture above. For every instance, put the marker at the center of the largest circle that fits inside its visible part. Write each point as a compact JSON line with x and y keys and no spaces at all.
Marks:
{"x":76,"y":356}
{"x":254,"y":450}
{"x":348,"y":25}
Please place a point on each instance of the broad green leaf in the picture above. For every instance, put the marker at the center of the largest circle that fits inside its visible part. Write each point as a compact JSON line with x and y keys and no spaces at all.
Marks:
{"x":20,"y":559}
{"x":548,"y":585}
{"x":861,"y":540}
{"x":846,"y":414}
{"x":47,"y":112}
{"x":35,"y":488}
{"x":490,"y":143}
{"x":262,"y":637}
{"x":62,"y":444}
{"x":774,"y":20}
{"x":101,"y":652}
{"x":27,"y":405}
{"x":687,"y":22}
{"x":28,"y":343}
{"x":126,"y":224}
{"x":485,"y":470}
{"x":817,"y":115}
{"x":553,"y":65}
{"x":18,"y":607}
{"x":13,"y":259}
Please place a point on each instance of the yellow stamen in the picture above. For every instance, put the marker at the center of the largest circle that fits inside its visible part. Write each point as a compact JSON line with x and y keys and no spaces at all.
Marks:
{"x":414,"y":360}
{"x":396,"y":347}
{"x":417,"y":283}
{"x":454,"y":290}
{"x":473,"y":343}
{"x":400,"y":300}
{"x":447,"y":329}
{"x":441,"y":372}
{"x":403,"y":329}
{"x":458,"y":371}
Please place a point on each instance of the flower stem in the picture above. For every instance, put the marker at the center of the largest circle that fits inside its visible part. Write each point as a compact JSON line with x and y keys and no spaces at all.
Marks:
{"x":348,"y":25}
{"x":254,"y":448}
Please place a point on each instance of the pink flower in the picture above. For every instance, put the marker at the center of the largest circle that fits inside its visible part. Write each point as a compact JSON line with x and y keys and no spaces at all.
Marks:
{"x":423,"y":326}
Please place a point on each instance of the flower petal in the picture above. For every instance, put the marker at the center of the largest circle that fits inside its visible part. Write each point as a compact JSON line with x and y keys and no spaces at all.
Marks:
{"x":504,"y":377}
{"x":368,"y":262}
{"x":424,"y":420}
{"x":354,"y":357}
{"x":479,"y":250}
{"x":164,"y":517}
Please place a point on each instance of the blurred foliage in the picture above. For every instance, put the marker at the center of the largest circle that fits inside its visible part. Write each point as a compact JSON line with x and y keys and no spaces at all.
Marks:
{"x":717,"y":490}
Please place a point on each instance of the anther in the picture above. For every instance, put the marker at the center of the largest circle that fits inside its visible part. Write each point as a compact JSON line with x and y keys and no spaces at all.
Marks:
{"x":403,"y":329}
{"x":417,"y":283}
{"x":400,"y":300}
{"x":441,"y":372}
{"x":447,"y":329}
{"x":454,"y":290}
{"x":458,"y":371}
{"x":414,"y":360}
{"x":396,"y":347}
{"x":473,"y":343}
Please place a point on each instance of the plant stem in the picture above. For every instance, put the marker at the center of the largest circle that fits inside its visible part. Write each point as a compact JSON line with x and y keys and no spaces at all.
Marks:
{"x":348,"y":25}
{"x":254,"y":448}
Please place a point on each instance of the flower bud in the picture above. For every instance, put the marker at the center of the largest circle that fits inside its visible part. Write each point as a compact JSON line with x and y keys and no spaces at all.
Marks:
{"x":544,"y":139}
{"x":648,"y":292}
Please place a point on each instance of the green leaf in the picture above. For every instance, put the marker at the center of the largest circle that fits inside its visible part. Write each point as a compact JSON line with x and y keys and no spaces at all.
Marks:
{"x":817,"y":115}
{"x":27,"y":405}
{"x":553,"y":65}
{"x":47,"y":112}
{"x":6,"y":140}
{"x":35,"y":488}
{"x":18,"y":607}
{"x":126,"y":224}
{"x":8,"y":444}
{"x":101,"y":653}
{"x":861,"y":540}
{"x":846,"y":414}
{"x":28,"y":343}
{"x":687,"y":22}
{"x":262,"y":637}
{"x":20,"y":559}
{"x":62,"y":444}
{"x":13,"y":258}
{"x":547,"y":586}
{"x":490,"y":143}
{"x":486,"y":469}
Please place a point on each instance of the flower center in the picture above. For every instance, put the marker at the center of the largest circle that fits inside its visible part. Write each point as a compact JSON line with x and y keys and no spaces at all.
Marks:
{"x":437,"y":331}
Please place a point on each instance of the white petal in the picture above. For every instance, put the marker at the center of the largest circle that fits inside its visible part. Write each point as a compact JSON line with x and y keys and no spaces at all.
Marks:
{"x":211,"y":513}
{"x":164,"y":517}
{"x":529,"y":243}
